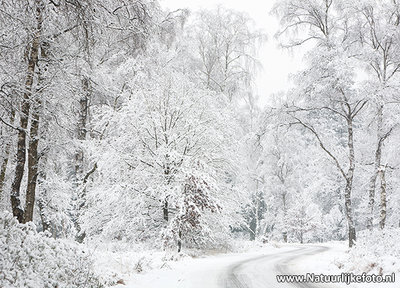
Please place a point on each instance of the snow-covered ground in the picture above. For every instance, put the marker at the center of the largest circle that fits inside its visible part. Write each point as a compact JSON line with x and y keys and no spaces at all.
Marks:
{"x":255,"y":266}
{"x":324,"y":262}
{"x":334,"y":261}
{"x":151,"y":268}
{"x":206,"y":271}
{"x":246,"y":264}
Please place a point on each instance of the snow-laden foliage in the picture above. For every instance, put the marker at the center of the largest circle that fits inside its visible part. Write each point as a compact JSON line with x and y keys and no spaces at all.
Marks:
{"x":166,"y":159}
{"x":31,"y":259}
{"x":345,"y":110}
{"x":376,"y":253}
{"x":227,"y":42}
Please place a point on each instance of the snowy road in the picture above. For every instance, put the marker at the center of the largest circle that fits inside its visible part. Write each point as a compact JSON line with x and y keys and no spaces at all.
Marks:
{"x":261,"y":271}
{"x":241,"y":270}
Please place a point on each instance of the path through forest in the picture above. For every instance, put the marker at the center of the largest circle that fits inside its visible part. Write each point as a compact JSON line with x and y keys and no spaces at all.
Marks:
{"x":238,"y":270}
{"x":261,"y":271}
{"x":256,"y":269}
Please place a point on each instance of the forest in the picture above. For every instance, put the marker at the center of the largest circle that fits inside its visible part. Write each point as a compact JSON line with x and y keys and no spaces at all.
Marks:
{"x":127,"y":126}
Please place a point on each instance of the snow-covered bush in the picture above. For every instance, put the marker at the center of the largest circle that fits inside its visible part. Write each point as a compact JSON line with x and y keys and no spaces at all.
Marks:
{"x":377,"y":252}
{"x":119,"y":260}
{"x":30,"y":259}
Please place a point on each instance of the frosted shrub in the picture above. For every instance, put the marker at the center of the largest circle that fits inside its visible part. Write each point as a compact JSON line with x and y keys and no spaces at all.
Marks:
{"x":30,"y":259}
{"x":377,"y":253}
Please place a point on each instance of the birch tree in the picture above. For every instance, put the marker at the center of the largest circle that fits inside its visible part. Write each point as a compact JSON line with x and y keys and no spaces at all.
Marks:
{"x":326,"y":91}
{"x":32,"y":55}
{"x":227,"y":45}
{"x":377,"y":33}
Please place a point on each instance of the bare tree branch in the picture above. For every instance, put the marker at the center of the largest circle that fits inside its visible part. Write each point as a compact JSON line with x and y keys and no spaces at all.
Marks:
{"x":322,"y":145}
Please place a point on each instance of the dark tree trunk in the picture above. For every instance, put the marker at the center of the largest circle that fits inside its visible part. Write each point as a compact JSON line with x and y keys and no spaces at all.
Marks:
{"x":3,"y":167}
{"x":284,"y":235}
{"x":33,"y":153}
{"x":165,"y":210}
{"x":179,"y":241}
{"x":20,"y":166}
{"x":253,"y":227}
{"x":33,"y":163}
{"x":24,"y":117}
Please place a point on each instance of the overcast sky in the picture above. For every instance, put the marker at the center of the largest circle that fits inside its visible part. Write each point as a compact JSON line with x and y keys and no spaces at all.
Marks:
{"x":277,"y":63}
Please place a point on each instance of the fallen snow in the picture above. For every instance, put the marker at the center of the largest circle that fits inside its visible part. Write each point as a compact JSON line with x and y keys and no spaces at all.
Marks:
{"x":155,"y":269}
{"x":193,"y":272}
{"x":340,"y":259}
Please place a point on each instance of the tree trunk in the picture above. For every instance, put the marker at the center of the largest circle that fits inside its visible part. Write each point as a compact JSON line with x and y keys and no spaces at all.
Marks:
{"x":79,"y":197}
{"x":24,"y":117}
{"x":33,"y":163}
{"x":33,"y":153}
{"x":257,"y":228}
{"x":82,"y":129}
{"x":349,"y":183}
{"x":371,"y":202}
{"x":46,"y":224}
{"x":253,"y":228}
{"x":382,"y":221}
{"x":42,"y":199}
{"x":284,"y":233}
{"x":41,"y":171}
{"x":79,"y":158}
{"x":377,"y":163}
{"x":3,"y":167}
{"x":179,"y":241}
{"x":165,"y":210}
{"x":3,"y":170}
{"x":349,"y":213}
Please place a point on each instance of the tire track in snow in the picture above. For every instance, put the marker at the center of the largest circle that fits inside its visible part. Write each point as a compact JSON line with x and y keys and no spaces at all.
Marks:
{"x":261,"y":271}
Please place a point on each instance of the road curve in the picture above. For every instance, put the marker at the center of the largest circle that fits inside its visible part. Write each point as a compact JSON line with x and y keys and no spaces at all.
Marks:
{"x":261,"y":271}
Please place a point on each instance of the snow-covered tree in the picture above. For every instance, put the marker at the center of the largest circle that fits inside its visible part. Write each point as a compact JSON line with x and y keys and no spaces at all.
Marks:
{"x":326,"y":96}
{"x":227,"y":44}
{"x":166,"y":152}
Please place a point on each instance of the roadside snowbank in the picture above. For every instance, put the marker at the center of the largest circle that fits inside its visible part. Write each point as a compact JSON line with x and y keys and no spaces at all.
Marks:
{"x":324,"y":262}
{"x":377,"y":254}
